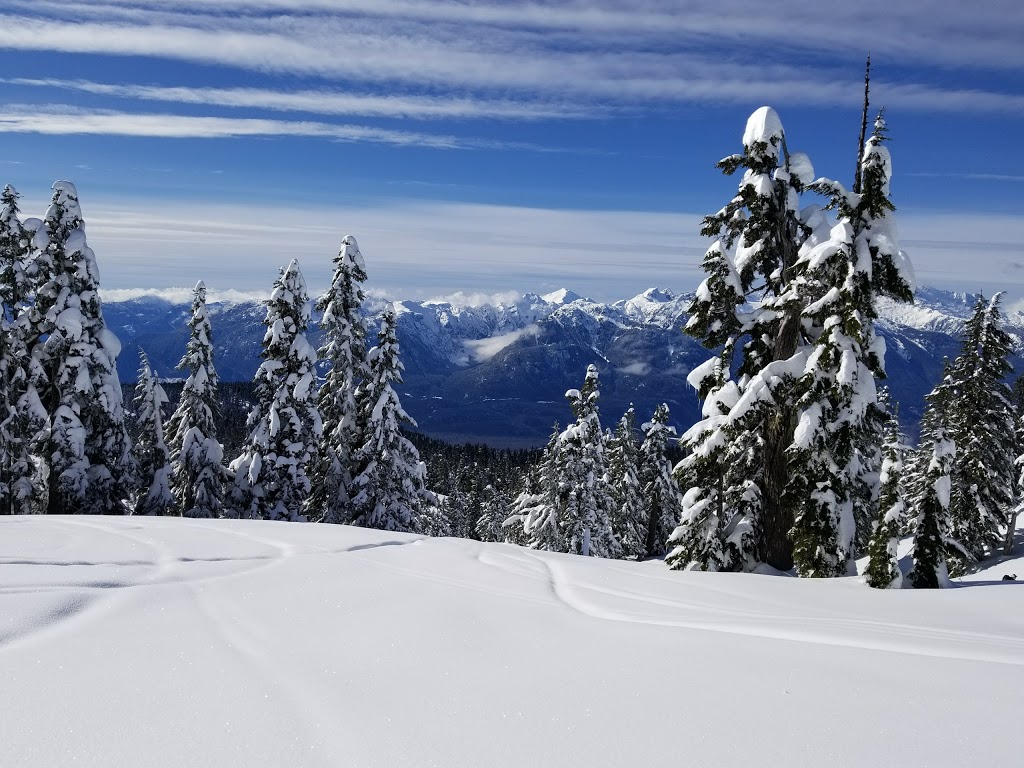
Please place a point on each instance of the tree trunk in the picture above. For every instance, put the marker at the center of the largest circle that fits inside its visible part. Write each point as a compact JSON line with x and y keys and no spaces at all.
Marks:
{"x":776,"y":517}
{"x":1011,"y":524}
{"x":776,"y":547}
{"x":652,"y":527}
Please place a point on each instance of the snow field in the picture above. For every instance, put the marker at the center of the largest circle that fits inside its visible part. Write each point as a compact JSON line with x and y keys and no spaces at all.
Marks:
{"x":173,"y":642}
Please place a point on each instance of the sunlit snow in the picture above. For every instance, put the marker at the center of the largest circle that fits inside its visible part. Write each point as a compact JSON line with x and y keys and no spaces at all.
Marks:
{"x":172,"y":642}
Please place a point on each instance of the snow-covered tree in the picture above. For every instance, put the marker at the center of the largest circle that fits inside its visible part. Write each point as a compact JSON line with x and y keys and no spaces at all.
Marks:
{"x":155,"y":496}
{"x":583,"y":501}
{"x":662,"y":501}
{"x":535,"y":509}
{"x":197,"y":459}
{"x":1018,"y":506}
{"x":23,"y":420}
{"x":753,"y":259}
{"x":344,"y":351}
{"x":390,"y":488}
{"x":721,"y":502}
{"x":983,"y":423}
{"x":883,"y":571}
{"x":89,"y":453}
{"x":494,"y":510}
{"x":932,"y":526}
{"x":835,"y":443}
{"x":629,"y":518}
{"x":788,"y":443}
{"x":270,"y":476}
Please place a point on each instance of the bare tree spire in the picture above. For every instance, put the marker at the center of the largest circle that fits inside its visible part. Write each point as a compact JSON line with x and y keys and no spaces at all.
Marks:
{"x":863,"y":126}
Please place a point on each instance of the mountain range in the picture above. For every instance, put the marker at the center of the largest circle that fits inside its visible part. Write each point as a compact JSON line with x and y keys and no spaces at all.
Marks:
{"x":498,"y":373}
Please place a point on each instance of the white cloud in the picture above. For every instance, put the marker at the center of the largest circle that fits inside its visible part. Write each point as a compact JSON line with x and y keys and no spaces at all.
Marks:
{"x":636,"y":369}
{"x":333,"y":102}
{"x":65,"y":120}
{"x":180,"y":295}
{"x":423,"y":250}
{"x":484,"y":349}
{"x":476,"y":299}
{"x":608,"y":52}
{"x":934,"y":31}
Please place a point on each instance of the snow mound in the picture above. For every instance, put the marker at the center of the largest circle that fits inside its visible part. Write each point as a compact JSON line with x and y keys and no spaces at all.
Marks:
{"x":765,"y":126}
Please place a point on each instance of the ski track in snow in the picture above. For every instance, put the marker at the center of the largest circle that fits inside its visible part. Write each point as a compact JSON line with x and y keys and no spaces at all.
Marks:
{"x":819,"y":630}
{"x":94,"y":599}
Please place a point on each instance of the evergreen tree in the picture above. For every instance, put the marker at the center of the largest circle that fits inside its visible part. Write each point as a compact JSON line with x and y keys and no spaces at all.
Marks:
{"x":932,"y":527}
{"x":929,"y":489}
{"x":722,"y":477}
{"x":662,"y":502}
{"x":435,"y":519}
{"x":270,"y":476}
{"x":493,"y":513}
{"x":835,"y":443}
{"x":754,"y":257}
{"x":1015,"y":510}
{"x":982,"y":422}
{"x":583,"y":502}
{"x":23,"y":420}
{"x":883,"y":571}
{"x":391,"y":492}
{"x":628,"y":518}
{"x":536,"y":507}
{"x":89,"y":454}
{"x":790,"y":444}
{"x":344,"y":350}
{"x":155,"y":497}
{"x":197,"y":459}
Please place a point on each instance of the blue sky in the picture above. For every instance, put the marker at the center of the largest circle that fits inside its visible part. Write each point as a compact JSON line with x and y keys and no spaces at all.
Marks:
{"x":492,"y":147}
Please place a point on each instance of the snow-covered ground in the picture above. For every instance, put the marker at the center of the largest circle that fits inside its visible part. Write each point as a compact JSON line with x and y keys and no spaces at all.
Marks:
{"x":170,"y":642}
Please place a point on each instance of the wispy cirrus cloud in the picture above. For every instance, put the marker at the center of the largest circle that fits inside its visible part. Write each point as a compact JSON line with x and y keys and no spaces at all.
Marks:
{"x":332,"y":102}
{"x":611,"y":52}
{"x":67,"y":120}
{"x":933,"y":31}
{"x":968,"y":176}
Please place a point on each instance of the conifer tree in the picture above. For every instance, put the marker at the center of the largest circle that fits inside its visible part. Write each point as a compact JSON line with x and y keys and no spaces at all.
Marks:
{"x":494,"y":511}
{"x":1018,"y":505}
{"x":662,"y":501}
{"x":722,"y":497}
{"x":197,"y":458}
{"x":982,"y":421}
{"x":23,"y":420}
{"x":391,"y":492}
{"x":89,"y":454}
{"x":536,"y":507}
{"x":344,"y":351}
{"x":270,"y":476}
{"x":834,"y":444}
{"x":929,"y":489}
{"x":628,"y":518}
{"x":932,"y":527}
{"x":754,"y":257}
{"x":155,"y":496}
{"x":883,"y":571}
{"x":790,"y":444}
{"x":583,"y":501}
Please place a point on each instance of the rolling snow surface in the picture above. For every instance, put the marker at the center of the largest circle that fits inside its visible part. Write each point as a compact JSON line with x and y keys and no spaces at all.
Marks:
{"x":171,"y":642}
